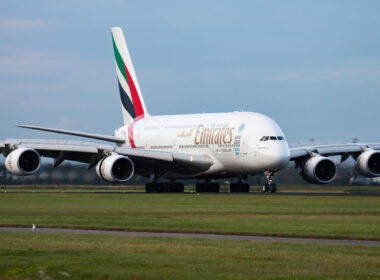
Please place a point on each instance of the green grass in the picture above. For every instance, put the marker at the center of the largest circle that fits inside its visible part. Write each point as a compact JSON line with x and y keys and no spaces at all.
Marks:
{"x":301,"y":216}
{"x":38,"y":256}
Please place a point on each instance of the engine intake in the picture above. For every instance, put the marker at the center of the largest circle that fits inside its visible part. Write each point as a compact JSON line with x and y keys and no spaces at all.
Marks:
{"x":23,"y":161}
{"x":368,"y":163}
{"x":319,"y":170}
{"x":115,"y":169}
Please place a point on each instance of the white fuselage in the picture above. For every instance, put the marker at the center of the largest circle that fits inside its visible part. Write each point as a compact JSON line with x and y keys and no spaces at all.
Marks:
{"x":234,"y":141}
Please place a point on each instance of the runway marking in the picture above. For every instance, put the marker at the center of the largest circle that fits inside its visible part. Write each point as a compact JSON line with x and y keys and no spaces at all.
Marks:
{"x":195,"y":236}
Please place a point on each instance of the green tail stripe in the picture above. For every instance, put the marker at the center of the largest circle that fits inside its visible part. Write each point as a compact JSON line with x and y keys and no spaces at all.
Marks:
{"x":119,"y":60}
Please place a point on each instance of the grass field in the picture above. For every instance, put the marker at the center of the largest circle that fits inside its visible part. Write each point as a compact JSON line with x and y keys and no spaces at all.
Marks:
{"x":43,"y":256}
{"x":65,"y":256}
{"x":301,"y":216}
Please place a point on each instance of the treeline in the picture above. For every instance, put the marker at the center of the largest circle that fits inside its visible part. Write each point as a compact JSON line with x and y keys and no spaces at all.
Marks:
{"x":67,"y":173}
{"x":78,"y":174}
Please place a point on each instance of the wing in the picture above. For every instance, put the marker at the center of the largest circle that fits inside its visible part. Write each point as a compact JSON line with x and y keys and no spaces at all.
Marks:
{"x":77,"y":133}
{"x":300,"y":154}
{"x":145,"y":161}
{"x":332,"y":150}
{"x":316,"y":168}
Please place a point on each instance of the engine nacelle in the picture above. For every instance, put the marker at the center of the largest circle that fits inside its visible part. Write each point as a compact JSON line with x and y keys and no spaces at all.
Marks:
{"x":115,"y":169}
{"x":23,"y":161}
{"x":368,"y":163}
{"x":319,"y":170}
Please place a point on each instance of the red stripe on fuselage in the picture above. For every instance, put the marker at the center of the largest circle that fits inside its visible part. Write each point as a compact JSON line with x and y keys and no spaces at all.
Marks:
{"x":130,"y":131}
{"x":139,"y":111}
{"x":130,"y":135}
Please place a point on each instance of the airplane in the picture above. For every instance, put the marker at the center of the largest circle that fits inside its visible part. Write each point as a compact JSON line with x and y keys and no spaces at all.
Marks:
{"x":169,"y":148}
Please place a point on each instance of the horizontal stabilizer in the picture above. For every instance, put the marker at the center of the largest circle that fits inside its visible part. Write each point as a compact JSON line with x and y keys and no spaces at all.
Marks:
{"x":76,"y":133}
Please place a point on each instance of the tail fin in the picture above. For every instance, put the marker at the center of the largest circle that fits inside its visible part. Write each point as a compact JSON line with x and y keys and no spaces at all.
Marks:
{"x":132,"y":101}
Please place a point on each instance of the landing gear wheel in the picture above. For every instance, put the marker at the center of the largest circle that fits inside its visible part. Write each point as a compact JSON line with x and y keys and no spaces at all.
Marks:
{"x":207,"y":187}
{"x":269,"y":185}
{"x":149,"y":187}
{"x":265,"y":187}
{"x":176,"y":187}
{"x":239,"y":187}
{"x":272,"y":187}
{"x":164,"y":187}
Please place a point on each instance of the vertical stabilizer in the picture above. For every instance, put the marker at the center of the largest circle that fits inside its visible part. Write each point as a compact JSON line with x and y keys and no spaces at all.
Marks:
{"x":132,"y":101}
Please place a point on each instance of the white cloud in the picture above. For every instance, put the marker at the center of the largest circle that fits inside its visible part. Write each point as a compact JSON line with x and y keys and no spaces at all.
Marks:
{"x":8,"y":25}
{"x":43,"y":79}
{"x":365,"y":70}
{"x":14,"y":62}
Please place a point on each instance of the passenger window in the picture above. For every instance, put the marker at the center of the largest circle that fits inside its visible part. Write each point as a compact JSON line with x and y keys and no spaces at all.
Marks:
{"x":273,"y":138}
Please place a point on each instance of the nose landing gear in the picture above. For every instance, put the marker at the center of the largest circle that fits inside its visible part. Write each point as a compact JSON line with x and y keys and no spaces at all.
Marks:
{"x":269,"y":185}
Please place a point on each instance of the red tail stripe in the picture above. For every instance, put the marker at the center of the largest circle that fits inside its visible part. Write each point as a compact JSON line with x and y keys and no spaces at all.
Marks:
{"x":135,"y":96}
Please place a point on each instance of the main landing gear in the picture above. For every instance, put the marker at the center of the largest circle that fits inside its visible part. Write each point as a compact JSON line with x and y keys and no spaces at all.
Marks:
{"x":239,"y":187}
{"x":269,"y":185}
{"x":207,"y":186}
{"x":171,"y":187}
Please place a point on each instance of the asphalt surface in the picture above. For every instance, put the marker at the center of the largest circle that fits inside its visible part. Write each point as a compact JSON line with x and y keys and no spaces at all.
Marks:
{"x":193,"y":193}
{"x":194,"y":235}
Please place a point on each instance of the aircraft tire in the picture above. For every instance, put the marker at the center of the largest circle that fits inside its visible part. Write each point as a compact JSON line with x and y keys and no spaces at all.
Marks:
{"x":265,"y":187}
{"x":272,"y":187}
{"x":239,"y":187}
{"x":176,"y":187}
{"x":181,"y":187}
{"x":151,"y":187}
{"x":207,"y":187}
{"x":148,"y":187}
{"x":246,"y":187}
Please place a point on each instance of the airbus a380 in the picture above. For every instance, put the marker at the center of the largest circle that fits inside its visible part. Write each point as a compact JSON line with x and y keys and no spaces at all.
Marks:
{"x":177,"y":147}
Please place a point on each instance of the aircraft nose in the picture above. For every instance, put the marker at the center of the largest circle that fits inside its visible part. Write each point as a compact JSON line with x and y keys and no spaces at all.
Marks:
{"x":278,"y":156}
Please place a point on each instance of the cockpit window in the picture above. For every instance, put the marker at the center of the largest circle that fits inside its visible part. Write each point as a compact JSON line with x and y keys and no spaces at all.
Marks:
{"x":266,"y":138}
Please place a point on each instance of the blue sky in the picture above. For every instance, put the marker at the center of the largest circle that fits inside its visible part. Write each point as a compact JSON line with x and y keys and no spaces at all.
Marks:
{"x":312,"y":66}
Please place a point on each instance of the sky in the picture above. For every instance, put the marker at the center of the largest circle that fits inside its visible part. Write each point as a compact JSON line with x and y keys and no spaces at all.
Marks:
{"x":312,"y":66}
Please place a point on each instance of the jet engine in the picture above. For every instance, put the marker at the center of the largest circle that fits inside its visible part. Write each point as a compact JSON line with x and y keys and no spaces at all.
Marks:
{"x":23,"y":161}
{"x":319,"y":170}
{"x":368,"y":163}
{"x":115,"y":169}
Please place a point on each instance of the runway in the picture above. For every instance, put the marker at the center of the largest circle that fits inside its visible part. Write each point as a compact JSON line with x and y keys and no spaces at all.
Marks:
{"x":195,"y":236}
{"x":193,"y":193}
